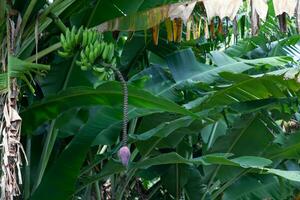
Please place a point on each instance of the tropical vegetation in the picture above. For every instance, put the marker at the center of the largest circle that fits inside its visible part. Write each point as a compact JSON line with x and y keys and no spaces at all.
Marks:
{"x":114,"y":99}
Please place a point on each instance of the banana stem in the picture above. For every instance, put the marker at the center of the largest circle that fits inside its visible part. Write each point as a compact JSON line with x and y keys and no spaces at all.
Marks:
{"x":58,"y":22}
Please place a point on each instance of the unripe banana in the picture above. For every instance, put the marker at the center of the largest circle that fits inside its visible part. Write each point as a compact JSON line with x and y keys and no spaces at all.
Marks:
{"x":102,"y":46}
{"x":79,"y":63}
{"x":96,"y":52}
{"x":83,"y":56}
{"x":94,"y":36}
{"x":91,"y":57}
{"x":68,"y":39}
{"x":105,"y":52}
{"x":73,"y":37}
{"x":84,"y":62}
{"x":85,"y":38}
{"x":87,"y":51}
{"x":63,"y":41}
{"x":114,"y":61}
{"x":111,"y":52}
{"x":84,"y":68}
{"x":77,"y":39}
{"x":63,"y":54}
{"x":79,"y":35}
{"x":89,"y":35}
{"x":98,"y":69}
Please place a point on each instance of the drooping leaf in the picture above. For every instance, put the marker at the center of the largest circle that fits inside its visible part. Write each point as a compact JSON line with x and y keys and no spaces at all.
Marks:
{"x":158,"y":81}
{"x":221,"y":159}
{"x":137,"y":21}
{"x":61,"y":177}
{"x":242,"y":90}
{"x":289,"y":149}
{"x":290,"y":175}
{"x":117,"y":8}
{"x":181,"y":176}
{"x":260,"y":187}
{"x":185,"y":67}
{"x":109,"y":93}
{"x":242,"y":138}
{"x":212,"y":132}
{"x":164,"y":129}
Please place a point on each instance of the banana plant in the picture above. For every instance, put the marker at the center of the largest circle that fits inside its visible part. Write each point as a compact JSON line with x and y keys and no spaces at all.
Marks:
{"x":207,"y":118}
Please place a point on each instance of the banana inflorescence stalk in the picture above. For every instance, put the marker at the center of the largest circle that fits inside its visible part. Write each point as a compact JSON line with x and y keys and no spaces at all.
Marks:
{"x":98,"y":56}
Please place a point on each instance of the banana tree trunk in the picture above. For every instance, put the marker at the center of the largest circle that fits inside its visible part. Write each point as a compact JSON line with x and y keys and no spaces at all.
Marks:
{"x":11,"y":161}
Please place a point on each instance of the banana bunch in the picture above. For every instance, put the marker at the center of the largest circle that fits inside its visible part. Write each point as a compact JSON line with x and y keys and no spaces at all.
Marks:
{"x":70,"y":41}
{"x":90,"y":53}
{"x":97,"y":51}
{"x":95,"y":54}
{"x":90,"y":37}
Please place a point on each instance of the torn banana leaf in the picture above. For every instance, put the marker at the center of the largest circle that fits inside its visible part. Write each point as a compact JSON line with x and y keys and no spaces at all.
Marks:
{"x":285,"y":6}
{"x":150,"y":18}
{"x":195,"y":29}
{"x":177,"y":29}
{"x":222,"y":8}
{"x":220,"y":27}
{"x":136,"y":22}
{"x":206,"y":30}
{"x":169,"y":29}
{"x":155,"y":34}
{"x":188,"y":30}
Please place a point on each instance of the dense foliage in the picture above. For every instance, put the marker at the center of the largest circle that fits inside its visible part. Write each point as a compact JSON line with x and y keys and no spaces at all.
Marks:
{"x":213,"y":117}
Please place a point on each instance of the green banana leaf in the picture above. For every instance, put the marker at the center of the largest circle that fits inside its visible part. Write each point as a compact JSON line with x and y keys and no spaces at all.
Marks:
{"x":242,"y":90}
{"x":109,"y":93}
{"x":251,"y":187}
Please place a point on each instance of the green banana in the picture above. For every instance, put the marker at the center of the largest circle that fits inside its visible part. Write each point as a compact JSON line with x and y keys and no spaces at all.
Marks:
{"x":92,"y":48}
{"x":111,"y":52}
{"x":84,"y":68}
{"x":87,"y":51}
{"x":83,"y":56}
{"x":73,"y":37}
{"x":79,"y":63}
{"x":114,"y":61}
{"x":90,"y":35}
{"x":102,"y":46}
{"x":68,"y":40}
{"x":91,"y":57}
{"x":85,"y":38}
{"x":79,"y":35}
{"x":96,"y":52}
{"x":98,"y":69}
{"x":63,"y":41}
{"x":105,"y":52}
{"x":63,"y":54}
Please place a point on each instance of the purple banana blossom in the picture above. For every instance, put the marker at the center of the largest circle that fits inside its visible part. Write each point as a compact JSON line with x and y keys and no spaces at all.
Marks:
{"x":124,"y":155}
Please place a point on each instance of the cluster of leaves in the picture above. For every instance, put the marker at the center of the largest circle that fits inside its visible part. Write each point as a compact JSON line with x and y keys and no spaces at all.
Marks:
{"x":198,"y":130}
